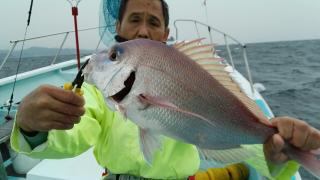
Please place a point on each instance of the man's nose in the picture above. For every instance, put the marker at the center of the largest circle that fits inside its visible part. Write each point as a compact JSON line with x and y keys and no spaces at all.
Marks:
{"x":143,"y":32}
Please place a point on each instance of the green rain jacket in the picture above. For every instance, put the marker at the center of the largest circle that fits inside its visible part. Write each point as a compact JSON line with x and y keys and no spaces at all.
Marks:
{"x":116,"y":146}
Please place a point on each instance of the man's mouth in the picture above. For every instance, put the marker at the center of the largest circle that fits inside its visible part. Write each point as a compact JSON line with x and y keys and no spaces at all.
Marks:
{"x":118,"y":97}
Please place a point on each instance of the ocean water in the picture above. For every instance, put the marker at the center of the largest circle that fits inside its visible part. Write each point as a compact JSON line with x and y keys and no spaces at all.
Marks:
{"x":29,"y":63}
{"x":290,"y":71}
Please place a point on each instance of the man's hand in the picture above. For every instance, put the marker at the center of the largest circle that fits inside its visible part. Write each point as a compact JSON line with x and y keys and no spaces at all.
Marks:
{"x":297,"y":132}
{"x":49,"y":107}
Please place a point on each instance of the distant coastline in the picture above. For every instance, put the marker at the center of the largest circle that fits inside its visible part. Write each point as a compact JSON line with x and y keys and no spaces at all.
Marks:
{"x":42,"y":51}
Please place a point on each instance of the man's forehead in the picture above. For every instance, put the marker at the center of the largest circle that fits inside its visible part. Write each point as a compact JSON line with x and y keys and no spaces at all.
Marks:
{"x":153,"y":7}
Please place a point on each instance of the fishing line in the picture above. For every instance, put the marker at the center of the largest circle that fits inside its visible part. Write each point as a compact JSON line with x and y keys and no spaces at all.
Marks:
{"x":19,"y":62}
{"x":206,"y":10}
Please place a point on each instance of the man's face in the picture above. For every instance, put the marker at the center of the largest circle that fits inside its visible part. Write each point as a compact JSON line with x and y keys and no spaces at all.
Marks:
{"x":143,"y":19}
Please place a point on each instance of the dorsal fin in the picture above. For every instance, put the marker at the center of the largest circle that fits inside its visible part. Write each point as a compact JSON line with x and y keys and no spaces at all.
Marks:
{"x":201,"y":54}
{"x":210,"y":67}
{"x":186,"y":45}
{"x":204,"y":56}
{"x":209,"y":60}
{"x":178,"y":45}
{"x":198,"y":48}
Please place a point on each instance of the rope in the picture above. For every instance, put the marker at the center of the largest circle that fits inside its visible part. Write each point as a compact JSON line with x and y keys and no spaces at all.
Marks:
{"x":19,"y":63}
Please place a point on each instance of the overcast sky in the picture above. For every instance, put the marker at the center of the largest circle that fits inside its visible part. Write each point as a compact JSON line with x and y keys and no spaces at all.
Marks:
{"x":247,"y":20}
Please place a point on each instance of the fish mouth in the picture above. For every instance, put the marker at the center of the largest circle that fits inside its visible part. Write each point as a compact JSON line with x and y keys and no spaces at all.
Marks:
{"x":118,"y":97}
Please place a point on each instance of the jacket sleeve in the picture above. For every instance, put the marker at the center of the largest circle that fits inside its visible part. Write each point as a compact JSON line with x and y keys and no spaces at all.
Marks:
{"x":36,"y":140}
{"x":277,"y":172}
{"x":68,"y":143}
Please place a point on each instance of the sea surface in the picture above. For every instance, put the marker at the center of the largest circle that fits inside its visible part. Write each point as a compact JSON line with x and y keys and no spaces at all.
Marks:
{"x":290,"y":72}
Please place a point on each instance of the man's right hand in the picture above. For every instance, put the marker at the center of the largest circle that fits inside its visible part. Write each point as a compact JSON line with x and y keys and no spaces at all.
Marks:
{"x":49,"y":107}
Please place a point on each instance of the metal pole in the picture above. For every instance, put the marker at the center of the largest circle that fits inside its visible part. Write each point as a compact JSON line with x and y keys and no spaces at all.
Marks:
{"x":210,"y":34}
{"x":247,"y":66}
{"x":175,"y":25}
{"x":8,"y":55}
{"x":195,"y":24}
{"x":75,"y":14}
{"x":58,"y":53}
{"x":229,"y":51}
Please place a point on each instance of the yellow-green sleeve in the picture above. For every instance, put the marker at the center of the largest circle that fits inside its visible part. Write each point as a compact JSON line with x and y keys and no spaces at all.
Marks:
{"x":68,"y":143}
{"x":258,"y":162}
{"x":36,"y":140}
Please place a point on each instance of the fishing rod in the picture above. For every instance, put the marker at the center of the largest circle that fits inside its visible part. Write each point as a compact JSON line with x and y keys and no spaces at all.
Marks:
{"x":8,"y":117}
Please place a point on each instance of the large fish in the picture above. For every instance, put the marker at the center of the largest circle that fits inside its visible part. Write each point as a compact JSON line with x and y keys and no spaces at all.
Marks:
{"x":183,"y":92}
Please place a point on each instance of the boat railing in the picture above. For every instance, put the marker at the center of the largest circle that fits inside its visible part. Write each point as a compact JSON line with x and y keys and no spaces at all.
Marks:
{"x":61,"y":46}
{"x":226,"y":38}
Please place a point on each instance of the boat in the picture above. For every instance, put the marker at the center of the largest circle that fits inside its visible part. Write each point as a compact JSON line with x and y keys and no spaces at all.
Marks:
{"x":84,"y":166}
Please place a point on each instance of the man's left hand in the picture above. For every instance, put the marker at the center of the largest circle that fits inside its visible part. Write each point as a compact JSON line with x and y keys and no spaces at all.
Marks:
{"x":299,"y":133}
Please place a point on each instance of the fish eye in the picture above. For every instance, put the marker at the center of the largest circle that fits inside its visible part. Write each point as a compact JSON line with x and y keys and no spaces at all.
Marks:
{"x":115,"y":53}
{"x":113,"y":56}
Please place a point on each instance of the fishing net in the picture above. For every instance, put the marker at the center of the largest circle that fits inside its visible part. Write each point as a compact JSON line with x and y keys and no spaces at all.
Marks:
{"x":108,"y":17}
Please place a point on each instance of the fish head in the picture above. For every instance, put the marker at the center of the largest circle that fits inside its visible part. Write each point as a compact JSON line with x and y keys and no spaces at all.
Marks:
{"x":113,"y":71}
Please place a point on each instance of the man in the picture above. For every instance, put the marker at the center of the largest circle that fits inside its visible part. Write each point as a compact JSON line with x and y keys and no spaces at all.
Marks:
{"x":48,"y":120}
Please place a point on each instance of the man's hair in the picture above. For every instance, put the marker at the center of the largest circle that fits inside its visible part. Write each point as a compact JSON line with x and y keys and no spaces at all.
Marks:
{"x":165,"y":11}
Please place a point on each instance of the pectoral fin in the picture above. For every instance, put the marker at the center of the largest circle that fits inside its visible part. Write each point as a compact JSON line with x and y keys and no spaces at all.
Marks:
{"x":149,"y":143}
{"x":160,"y":102}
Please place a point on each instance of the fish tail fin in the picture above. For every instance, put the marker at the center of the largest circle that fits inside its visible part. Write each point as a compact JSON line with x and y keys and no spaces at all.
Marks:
{"x":309,"y":160}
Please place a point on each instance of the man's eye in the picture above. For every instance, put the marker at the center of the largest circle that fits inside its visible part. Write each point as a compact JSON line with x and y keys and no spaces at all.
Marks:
{"x":154,"y":23}
{"x":135,"y":19}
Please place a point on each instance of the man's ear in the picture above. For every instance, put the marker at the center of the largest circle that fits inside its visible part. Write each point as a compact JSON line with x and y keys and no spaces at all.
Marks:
{"x":166,"y":35}
{"x":118,"y":26}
